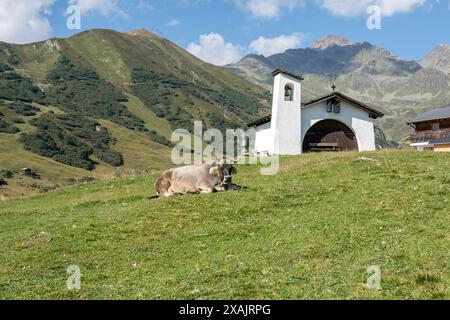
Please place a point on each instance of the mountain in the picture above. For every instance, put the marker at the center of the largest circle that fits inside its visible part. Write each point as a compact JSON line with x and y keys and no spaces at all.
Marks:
{"x":328,"y":41}
{"x":105,"y":103}
{"x":438,"y":58}
{"x":402,"y":89}
{"x":328,"y":57}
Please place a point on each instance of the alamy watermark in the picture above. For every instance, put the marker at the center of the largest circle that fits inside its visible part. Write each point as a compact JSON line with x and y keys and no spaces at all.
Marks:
{"x":374,"y":19}
{"x":195,"y":148}
{"x":195,"y":77}
{"x":74,"y":279}
{"x":374,"y":280}
{"x":73,"y":21}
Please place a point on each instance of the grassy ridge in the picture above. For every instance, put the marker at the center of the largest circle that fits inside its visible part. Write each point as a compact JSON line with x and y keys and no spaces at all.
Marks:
{"x":309,"y":232}
{"x":15,"y":157}
{"x":90,"y":74}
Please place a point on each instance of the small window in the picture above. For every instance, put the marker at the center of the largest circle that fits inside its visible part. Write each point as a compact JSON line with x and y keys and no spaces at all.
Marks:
{"x":289,"y":93}
{"x":330,"y":106}
{"x":435,"y":127}
{"x":333,"y":105}
{"x":337,"y":107}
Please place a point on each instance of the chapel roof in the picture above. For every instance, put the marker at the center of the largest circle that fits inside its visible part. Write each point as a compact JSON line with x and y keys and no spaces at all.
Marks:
{"x":289,"y":73}
{"x":374,"y":113}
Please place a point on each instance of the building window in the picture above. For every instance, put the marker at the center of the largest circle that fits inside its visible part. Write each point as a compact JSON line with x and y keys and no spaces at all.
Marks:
{"x":435,"y":127}
{"x":288,"y":93}
{"x":334,"y":105}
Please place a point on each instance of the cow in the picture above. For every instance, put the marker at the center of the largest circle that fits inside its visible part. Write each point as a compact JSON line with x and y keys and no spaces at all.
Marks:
{"x":210,"y":177}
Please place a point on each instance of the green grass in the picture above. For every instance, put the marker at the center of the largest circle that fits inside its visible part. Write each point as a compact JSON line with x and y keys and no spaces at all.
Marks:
{"x":14,"y":157}
{"x":102,"y":55}
{"x":139,"y":152}
{"x":152,"y":122}
{"x":309,"y":232}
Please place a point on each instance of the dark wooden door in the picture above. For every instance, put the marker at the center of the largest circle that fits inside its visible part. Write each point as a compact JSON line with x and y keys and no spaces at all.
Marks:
{"x":330,"y":135}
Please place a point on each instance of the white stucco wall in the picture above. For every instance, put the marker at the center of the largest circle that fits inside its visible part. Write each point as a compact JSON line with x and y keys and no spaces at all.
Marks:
{"x":264,"y":138}
{"x":355,"y":118}
{"x":286,"y":117}
{"x":290,"y":122}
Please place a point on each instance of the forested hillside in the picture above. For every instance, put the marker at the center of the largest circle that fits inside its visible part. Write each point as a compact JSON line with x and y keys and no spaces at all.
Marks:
{"x":106,"y":103}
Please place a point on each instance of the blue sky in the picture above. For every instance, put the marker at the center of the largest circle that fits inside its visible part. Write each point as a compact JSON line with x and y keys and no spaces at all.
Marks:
{"x":221,"y":31}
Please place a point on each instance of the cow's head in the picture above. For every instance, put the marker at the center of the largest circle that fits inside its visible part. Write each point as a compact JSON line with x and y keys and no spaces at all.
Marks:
{"x":224,"y":170}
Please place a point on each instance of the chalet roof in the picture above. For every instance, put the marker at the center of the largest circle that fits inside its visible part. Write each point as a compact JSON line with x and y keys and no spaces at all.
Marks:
{"x":374,"y":113}
{"x":437,"y":114}
{"x":291,"y":74}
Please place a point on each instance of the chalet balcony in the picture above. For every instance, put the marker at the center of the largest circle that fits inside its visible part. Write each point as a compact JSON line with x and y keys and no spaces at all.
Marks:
{"x":429,"y":136}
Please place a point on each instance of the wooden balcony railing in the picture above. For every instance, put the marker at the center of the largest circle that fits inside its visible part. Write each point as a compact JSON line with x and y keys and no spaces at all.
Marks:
{"x":428,"y":136}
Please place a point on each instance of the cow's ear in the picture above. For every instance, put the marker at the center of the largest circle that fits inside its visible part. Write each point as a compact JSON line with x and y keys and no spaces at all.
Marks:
{"x":214,"y":171}
{"x":234,"y":170}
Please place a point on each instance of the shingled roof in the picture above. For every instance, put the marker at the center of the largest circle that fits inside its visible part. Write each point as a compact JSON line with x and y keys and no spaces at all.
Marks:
{"x":374,"y":113}
{"x":437,"y":114}
{"x":291,"y":74}
{"x":260,"y":121}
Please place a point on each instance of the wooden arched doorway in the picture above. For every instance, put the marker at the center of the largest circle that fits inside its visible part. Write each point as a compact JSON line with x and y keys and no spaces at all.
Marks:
{"x":330,"y":135}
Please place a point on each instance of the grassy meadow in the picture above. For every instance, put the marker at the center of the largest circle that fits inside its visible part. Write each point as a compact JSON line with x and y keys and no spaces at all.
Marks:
{"x":310,"y":232}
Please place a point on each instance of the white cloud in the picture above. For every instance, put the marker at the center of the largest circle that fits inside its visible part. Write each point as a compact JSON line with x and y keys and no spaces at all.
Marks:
{"x":104,"y":7}
{"x":391,"y":7}
{"x":269,"y":46}
{"x":350,"y":8}
{"x":24,"y":21}
{"x":173,"y":23}
{"x":212,"y":48}
{"x":271,"y":9}
{"x":347,"y":8}
{"x":268,"y":9}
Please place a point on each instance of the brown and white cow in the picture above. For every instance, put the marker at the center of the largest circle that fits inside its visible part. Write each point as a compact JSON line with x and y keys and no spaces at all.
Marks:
{"x":206,"y":178}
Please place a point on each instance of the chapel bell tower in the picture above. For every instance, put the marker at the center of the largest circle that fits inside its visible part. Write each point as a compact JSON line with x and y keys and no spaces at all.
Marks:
{"x":286,"y":113}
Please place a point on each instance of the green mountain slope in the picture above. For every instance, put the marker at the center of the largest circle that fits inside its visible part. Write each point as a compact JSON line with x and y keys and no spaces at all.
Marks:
{"x":77,"y":100}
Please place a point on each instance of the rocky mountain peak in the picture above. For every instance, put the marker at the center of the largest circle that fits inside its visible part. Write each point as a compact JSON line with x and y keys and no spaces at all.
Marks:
{"x":328,"y":41}
{"x":438,"y":58}
{"x":442,"y":47}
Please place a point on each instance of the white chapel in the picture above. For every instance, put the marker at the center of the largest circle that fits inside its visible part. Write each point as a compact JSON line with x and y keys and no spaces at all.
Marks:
{"x":334,"y":122}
